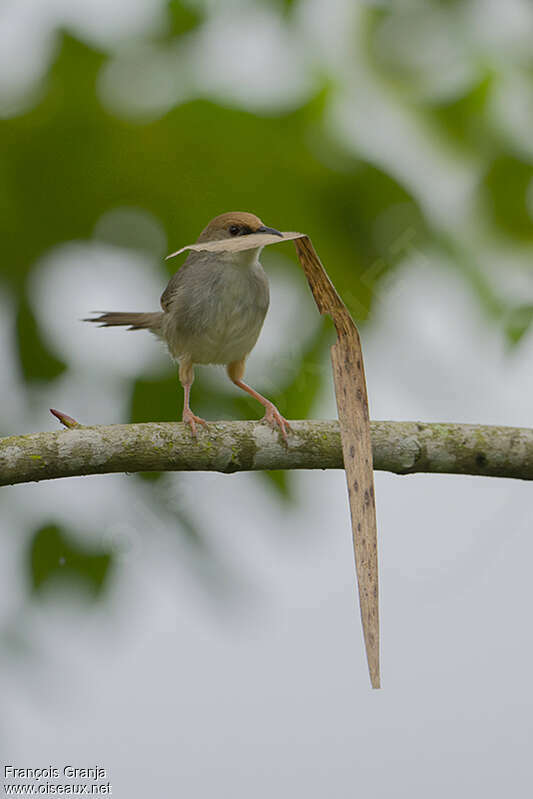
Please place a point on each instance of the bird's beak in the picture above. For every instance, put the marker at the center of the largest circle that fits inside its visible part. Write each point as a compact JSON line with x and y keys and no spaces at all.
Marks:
{"x":270,"y":230}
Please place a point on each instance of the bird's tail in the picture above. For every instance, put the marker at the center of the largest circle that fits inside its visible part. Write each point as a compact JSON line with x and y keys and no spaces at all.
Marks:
{"x":133,"y":321}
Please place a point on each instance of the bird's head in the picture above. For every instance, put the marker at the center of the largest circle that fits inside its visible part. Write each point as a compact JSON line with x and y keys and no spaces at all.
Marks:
{"x":232,"y":224}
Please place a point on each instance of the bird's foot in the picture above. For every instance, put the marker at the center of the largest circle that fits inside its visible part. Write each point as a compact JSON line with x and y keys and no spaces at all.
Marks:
{"x":274,"y":418}
{"x":191,"y":419}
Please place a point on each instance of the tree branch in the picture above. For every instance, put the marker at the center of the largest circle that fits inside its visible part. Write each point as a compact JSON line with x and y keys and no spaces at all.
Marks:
{"x":399,"y":447}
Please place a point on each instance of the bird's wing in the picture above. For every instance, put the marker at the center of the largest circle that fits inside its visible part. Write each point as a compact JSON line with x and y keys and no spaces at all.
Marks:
{"x":176,"y":281}
{"x":190,"y":297}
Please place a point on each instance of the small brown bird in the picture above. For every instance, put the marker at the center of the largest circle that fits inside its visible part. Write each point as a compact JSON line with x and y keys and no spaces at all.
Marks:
{"x":213,"y":309}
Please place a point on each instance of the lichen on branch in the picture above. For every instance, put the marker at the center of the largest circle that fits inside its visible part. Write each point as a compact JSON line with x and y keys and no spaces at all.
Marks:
{"x":399,"y":447}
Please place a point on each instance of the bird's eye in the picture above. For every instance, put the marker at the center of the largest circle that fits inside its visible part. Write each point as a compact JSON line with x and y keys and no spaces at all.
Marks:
{"x":234,"y":230}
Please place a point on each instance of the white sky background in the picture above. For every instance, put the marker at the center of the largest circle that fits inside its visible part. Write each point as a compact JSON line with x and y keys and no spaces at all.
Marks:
{"x":176,"y":693}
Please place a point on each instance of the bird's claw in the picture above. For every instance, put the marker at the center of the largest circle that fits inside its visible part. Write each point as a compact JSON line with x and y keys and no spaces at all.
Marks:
{"x":191,"y":419}
{"x":274,"y":418}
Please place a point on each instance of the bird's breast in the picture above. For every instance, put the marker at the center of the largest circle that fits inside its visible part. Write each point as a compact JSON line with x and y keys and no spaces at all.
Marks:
{"x":218,"y":319}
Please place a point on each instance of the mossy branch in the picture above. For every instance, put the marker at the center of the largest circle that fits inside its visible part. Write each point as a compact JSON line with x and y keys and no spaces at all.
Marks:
{"x":399,"y":447}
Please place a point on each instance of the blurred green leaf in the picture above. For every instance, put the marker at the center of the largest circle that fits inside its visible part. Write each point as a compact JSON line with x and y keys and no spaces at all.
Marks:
{"x":157,"y":399}
{"x":53,"y":555}
{"x":280,"y":480}
{"x":284,"y":5}
{"x":518,"y":323}
{"x":299,"y":392}
{"x":150,"y":477}
{"x":464,"y":119}
{"x":377,"y":222}
{"x":506,"y":186}
{"x":36,"y":360}
{"x":182,"y":18}
{"x":52,"y":159}
{"x":462,"y":258}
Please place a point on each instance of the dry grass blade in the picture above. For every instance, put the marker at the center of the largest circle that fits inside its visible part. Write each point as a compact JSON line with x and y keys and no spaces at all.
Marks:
{"x":354,"y":421}
{"x":249,"y":242}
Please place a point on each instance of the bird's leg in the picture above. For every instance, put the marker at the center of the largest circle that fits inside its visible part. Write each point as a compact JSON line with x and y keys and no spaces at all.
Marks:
{"x":188,"y":416}
{"x":186,"y":376}
{"x":272,"y":415}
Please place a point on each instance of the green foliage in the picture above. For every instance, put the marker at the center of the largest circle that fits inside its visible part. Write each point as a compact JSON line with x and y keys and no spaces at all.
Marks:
{"x":465,"y":119}
{"x":36,"y":360}
{"x":68,"y":159}
{"x":157,"y":399}
{"x":54,"y":557}
{"x":507,"y":183}
{"x":182,"y":18}
{"x":517,"y":323}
